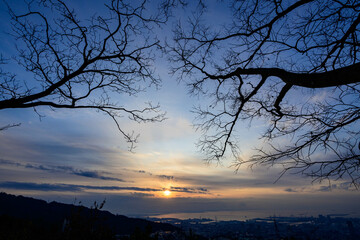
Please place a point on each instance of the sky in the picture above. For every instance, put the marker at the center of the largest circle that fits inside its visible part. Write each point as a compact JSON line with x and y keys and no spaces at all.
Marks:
{"x":77,"y":156}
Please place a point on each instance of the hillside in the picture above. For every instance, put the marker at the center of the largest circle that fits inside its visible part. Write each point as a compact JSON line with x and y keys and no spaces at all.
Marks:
{"x":18,"y":212}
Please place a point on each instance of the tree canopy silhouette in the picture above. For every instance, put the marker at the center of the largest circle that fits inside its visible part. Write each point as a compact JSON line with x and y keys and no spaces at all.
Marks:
{"x":294,"y":65}
{"x":77,"y":64}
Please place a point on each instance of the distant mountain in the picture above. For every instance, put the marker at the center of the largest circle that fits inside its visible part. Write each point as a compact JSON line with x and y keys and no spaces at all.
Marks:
{"x":22,"y":211}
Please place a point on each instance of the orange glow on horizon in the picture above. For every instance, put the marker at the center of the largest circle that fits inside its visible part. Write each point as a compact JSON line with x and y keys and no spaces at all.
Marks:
{"x":167,"y":193}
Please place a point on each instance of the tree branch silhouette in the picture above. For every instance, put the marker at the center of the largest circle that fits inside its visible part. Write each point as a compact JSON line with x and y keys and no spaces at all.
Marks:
{"x":79,"y":64}
{"x":258,"y":67}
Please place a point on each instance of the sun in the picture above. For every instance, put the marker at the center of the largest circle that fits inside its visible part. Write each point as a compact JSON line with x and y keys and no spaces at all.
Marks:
{"x":167,"y":193}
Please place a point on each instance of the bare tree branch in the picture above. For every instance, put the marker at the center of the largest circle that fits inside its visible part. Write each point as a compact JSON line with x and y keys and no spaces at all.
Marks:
{"x":77,"y":63}
{"x":9,"y":126}
{"x":292,"y":46}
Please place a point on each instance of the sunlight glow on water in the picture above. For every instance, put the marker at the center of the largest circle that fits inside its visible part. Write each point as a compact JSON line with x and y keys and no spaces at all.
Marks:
{"x":247,"y":215}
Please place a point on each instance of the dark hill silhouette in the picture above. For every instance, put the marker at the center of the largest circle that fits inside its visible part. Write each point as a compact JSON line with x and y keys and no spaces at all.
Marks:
{"x":55,"y":215}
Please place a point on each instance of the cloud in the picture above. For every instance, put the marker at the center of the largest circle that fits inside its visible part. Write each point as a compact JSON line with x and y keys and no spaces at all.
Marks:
{"x":120,"y":188}
{"x":141,"y":195}
{"x":166,"y":177}
{"x":64,"y":169}
{"x":57,"y":148}
{"x":347,"y":186}
{"x":336,"y":187}
{"x":138,"y":171}
{"x":176,"y":128}
{"x":324,"y":189}
{"x":188,"y":190}
{"x":40,"y":186}
{"x":290,"y":190}
{"x":7,"y":162}
{"x":320,"y":96}
{"x":59,"y":187}
{"x":162,"y":176}
{"x":95,"y":174}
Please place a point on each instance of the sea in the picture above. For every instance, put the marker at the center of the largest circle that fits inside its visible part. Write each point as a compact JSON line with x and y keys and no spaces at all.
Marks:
{"x":248,"y":215}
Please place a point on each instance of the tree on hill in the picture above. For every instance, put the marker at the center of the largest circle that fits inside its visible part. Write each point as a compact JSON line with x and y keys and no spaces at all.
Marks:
{"x":29,"y":218}
{"x":292,"y":64}
{"x":83,"y":64}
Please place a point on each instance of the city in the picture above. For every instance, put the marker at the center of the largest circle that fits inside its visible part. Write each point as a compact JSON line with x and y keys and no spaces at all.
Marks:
{"x":320,"y":227}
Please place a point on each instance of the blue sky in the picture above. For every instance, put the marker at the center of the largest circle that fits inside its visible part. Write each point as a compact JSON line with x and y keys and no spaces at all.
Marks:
{"x":72,"y":154}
